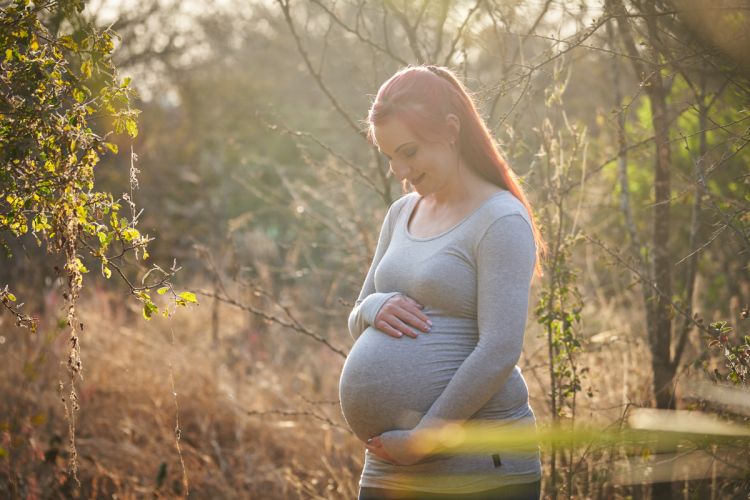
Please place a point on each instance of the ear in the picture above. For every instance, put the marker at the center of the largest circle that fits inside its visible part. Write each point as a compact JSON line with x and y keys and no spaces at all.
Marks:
{"x":454,"y":125}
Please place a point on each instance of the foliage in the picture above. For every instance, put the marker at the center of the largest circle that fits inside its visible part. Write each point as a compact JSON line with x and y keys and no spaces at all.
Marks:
{"x":53,"y":87}
{"x":559,"y":311}
{"x":736,"y":354}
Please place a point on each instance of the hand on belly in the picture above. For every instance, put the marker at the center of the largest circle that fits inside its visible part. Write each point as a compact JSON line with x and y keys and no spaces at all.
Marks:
{"x":402,"y":315}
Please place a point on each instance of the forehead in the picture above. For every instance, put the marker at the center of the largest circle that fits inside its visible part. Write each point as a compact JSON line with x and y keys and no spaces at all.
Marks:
{"x":392,"y":133}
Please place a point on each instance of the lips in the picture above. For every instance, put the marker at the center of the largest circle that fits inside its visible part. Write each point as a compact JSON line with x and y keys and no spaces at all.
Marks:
{"x":416,"y":181}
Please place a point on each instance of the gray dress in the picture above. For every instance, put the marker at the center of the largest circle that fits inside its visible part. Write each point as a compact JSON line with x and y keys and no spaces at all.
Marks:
{"x":473,"y":281}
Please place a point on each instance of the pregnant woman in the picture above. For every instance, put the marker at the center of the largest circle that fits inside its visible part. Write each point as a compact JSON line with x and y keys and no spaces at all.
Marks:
{"x":439,"y":322}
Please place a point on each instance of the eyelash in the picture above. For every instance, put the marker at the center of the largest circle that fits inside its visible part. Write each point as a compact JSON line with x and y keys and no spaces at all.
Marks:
{"x":407,"y":155}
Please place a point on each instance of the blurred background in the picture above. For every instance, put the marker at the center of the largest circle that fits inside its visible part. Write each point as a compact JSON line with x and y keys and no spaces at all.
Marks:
{"x":627,"y":122}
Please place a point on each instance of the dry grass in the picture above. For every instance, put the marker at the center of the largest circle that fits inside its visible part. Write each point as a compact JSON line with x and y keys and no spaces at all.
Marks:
{"x":231,"y":448}
{"x":126,"y":426}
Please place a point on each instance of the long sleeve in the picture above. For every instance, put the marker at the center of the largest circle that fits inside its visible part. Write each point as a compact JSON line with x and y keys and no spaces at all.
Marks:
{"x":369,"y":302}
{"x":505,"y":258}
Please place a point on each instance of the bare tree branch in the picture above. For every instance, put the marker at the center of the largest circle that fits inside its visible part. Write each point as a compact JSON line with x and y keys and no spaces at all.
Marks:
{"x":284,"y":4}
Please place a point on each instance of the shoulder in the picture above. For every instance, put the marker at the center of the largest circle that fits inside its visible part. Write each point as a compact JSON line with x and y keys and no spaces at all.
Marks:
{"x":397,"y":206}
{"x":500,"y":206}
{"x":505,"y":222}
{"x":394,"y":212}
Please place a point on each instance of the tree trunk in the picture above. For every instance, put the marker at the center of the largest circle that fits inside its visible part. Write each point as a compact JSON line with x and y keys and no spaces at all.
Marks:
{"x":660,"y":331}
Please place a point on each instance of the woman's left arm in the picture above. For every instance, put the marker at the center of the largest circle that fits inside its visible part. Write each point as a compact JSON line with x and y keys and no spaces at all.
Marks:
{"x":505,"y":259}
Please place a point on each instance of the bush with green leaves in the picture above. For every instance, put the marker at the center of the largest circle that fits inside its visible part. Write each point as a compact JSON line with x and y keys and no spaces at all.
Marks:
{"x":55,"y":89}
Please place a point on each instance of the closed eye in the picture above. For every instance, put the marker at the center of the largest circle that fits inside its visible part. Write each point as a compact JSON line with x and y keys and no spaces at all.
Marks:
{"x":407,"y":154}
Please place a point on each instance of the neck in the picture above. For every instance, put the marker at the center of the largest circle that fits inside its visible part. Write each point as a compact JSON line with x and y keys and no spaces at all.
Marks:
{"x":463,"y":189}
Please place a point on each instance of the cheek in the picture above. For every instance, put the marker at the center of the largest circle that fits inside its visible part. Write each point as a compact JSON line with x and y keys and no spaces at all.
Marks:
{"x":431,"y":161}
{"x":437,"y":162}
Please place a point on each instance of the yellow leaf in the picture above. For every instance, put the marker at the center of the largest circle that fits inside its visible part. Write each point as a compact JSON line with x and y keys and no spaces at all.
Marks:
{"x":130,"y":234}
{"x":86,"y":69}
{"x":189,"y":297}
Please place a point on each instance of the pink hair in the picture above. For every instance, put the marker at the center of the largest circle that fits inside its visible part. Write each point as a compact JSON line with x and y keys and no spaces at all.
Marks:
{"x":422,"y":96}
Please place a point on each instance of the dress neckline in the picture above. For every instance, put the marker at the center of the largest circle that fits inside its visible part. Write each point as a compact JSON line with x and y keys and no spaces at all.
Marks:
{"x":418,"y":198}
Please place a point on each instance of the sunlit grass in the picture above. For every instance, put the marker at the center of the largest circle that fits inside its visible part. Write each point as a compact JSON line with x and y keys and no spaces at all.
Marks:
{"x":656,"y":445}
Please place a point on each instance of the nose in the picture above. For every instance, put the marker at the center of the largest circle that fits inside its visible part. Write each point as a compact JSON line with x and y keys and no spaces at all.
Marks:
{"x":399,"y":170}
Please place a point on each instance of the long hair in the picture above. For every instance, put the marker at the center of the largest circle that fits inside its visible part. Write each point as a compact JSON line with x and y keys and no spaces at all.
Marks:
{"x":422,"y":96}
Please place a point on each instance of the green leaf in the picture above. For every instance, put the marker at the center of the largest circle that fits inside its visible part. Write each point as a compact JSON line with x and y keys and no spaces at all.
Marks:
{"x":149,"y":308}
{"x":131,"y":127}
{"x":79,"y":95}
{"x":68,"y":42}
{"x":162,"y":290}
{"x":11,"y":297}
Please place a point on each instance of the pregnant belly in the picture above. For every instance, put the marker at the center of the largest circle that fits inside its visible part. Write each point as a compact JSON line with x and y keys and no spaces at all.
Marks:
{"x":389,"y":383}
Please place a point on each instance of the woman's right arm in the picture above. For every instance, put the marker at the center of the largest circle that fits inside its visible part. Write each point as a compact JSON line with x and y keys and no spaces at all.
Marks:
{"x":369,"y":302}
{"x":395,"y":316}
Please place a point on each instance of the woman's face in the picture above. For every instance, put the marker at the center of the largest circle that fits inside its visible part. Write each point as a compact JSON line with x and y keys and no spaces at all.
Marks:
{"x":429,"y":167}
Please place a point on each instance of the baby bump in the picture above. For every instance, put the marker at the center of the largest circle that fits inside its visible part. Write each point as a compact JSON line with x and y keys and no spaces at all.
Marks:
{"x":389,"y":383}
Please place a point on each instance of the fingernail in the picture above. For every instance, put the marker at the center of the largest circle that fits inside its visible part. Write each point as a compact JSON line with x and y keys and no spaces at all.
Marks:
{"x":429,"y":322}
{"x":400,"y":334}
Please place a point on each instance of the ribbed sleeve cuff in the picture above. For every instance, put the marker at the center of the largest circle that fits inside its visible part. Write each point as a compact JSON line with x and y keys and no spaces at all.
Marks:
{"x":372,"y":304}
{"x":365,"y":312}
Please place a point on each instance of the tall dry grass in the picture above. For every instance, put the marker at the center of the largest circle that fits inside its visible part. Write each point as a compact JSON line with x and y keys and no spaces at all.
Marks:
{"x":257,"y":406}
{"x":126,"y":426}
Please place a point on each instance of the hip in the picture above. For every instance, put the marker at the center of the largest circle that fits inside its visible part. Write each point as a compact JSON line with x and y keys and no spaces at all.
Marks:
{"x":517,"y":491}
{"x":508,"y":453}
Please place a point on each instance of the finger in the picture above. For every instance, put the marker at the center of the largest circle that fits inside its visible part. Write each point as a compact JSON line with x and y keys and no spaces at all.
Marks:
{"x":382,"y":454}
{"x":377,"y":452}
{"x":386,"y":328}
{"x":402,"y":327}
{"x":413,"y":318}
{"x":422,"y":316}
{"x":415,"y":308}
